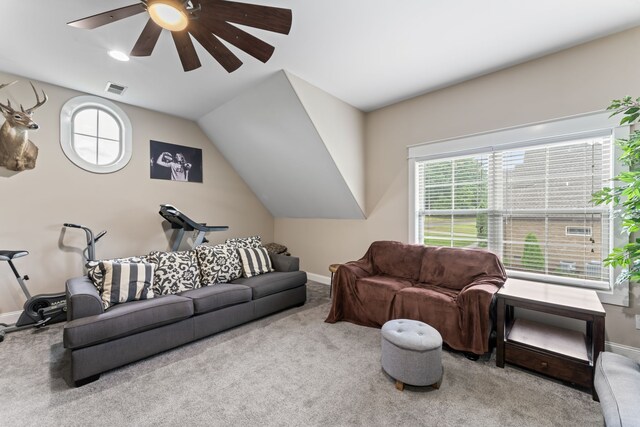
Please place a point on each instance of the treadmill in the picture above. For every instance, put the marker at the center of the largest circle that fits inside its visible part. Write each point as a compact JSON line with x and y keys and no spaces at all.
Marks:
{"x":181,"y":223}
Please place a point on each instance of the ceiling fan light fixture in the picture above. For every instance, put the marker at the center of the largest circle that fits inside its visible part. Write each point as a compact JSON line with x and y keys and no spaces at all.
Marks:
{"x":210,"y":22}
{"x":168,"y":14}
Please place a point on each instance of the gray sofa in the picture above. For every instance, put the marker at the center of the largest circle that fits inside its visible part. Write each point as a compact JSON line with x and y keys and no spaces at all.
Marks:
{"x":100,"y":339}
{"x":617,"y":382}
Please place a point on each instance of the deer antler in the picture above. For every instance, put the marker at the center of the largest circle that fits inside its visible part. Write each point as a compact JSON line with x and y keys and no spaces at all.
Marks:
{"x":38,"y":102}
{"x":2,"y":85}
{"x":8,"y":106}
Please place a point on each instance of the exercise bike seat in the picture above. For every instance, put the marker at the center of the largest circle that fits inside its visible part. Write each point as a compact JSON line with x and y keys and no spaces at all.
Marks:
{"x":9,"y":255}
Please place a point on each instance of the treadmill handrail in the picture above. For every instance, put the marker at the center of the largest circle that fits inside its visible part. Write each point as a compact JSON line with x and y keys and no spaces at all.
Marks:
{"x":180,"y":220}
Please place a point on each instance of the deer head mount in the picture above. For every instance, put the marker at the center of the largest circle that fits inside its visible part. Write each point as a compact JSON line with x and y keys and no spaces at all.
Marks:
{"x":17,"y":153}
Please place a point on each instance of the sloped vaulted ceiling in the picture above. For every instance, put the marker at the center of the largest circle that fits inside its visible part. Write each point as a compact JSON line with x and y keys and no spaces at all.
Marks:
{"x":300,"y":149}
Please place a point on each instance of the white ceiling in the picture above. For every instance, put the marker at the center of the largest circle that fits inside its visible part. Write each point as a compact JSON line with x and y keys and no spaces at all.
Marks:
{"x":369,"y":53}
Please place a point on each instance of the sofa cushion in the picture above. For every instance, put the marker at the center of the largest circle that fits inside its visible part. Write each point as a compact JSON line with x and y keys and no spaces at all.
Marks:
{"x":126,"y":319}
{"x":433,"y":305}
{"x":617,"y":382}
{"x":372,"y":299}
{"x":175,"y":272}
{"x":127,"y":281}
{"x":255,"y":261}
{"x":397,"y":259}
{"x":215,"y":297}
{"x":272,"y":283}
{"x":218,"y":264}
{"x":95,"y":274}
{"x":455,"y":268}
{"x":385,"y":282}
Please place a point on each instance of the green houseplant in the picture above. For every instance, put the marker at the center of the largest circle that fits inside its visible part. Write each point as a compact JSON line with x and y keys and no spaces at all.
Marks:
{"x":532,"y":257}
{"x":626,"y":194}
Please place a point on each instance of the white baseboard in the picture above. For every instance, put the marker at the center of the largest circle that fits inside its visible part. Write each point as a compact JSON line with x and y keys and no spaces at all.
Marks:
{"x":10,"y":318}
{"x":624,"y":350}
{"x":325,"y":280}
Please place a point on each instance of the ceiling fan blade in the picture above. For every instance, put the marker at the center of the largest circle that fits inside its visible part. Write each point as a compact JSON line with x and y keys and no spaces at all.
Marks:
{"x":104,"y":18}
{"x":186,"y":50}
{"x":147,"y":40}
{"x":255,"y":47}
{"x":216,"y":48}
{"x":267,"y":18}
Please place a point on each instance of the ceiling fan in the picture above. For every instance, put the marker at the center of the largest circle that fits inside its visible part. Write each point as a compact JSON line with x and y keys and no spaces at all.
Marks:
{"x":207,"y":21}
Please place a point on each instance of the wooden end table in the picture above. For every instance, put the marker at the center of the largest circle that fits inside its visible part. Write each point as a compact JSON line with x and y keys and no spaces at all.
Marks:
{"x":560,"y":353}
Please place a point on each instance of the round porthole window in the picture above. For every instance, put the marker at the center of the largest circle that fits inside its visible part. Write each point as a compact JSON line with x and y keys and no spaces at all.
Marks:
{"x":95,"y":134}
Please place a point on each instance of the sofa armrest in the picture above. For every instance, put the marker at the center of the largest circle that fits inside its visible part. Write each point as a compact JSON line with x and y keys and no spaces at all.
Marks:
{"x":482,"y":291}
{"x":284,"y":263}
{"x":344,"y":289}
{"x":481,"y":285}
{"x":357,"y":269}
{"x":617,"y":381}
{"x":83,"y":298}
{"x":476,"y":302}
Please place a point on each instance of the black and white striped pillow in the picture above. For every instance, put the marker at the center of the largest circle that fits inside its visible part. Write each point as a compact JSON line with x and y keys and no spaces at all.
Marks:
{"x":125,"y":281}
{"x":95,"y":274}
{"x":254,"y":261}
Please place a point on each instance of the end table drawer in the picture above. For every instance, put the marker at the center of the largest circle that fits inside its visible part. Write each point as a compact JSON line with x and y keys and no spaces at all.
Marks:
{"x":558,"y":367}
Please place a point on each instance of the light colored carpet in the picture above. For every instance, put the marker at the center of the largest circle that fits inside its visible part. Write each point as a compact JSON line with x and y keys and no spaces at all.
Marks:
{"x":289,"y":369}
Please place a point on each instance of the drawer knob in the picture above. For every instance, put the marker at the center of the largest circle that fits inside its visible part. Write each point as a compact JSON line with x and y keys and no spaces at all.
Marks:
{"x":544,"y":364}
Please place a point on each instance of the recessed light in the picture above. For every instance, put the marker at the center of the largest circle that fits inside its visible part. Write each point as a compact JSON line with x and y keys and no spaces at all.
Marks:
{"x":120,"y":56}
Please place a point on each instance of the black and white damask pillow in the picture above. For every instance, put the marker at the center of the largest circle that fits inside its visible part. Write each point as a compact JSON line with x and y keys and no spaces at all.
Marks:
{"x":218,"y":264}
{"x":245,"y":242}
{"x":254,"y":261}
{"x":127,"y":281}
{"x":96,"y":275}
{"x":175,"y":272}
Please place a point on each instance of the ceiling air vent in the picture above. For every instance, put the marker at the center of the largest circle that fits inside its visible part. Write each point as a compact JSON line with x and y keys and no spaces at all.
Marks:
{"x":115,"y":88}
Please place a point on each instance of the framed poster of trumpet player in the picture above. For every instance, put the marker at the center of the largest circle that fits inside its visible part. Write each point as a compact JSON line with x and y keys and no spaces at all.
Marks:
{"x":175,"y":162}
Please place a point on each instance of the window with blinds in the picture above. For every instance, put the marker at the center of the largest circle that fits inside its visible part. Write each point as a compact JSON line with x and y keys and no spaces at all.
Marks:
{"x":531,"y":205}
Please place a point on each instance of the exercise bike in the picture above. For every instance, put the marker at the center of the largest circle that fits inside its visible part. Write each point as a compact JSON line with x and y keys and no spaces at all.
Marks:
{"x":44,"y":309}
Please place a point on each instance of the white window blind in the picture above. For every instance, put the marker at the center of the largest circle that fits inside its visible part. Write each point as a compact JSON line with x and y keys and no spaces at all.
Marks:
{"x":453,"y":201}
{"x":519,"y":203}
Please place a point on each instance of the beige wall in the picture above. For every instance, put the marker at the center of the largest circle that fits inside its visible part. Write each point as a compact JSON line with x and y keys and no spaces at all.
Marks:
{"x":35,"y":203}
{"x":578,"y":80}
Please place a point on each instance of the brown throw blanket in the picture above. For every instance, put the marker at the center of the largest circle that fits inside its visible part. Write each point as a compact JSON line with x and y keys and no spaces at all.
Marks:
{"x":449,"y":288}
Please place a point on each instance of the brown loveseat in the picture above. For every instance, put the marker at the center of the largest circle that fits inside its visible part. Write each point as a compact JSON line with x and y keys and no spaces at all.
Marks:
{"x":451,"y":289}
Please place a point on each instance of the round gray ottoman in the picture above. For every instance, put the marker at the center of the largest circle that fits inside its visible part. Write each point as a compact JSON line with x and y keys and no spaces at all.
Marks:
{"x":412,"y":353}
